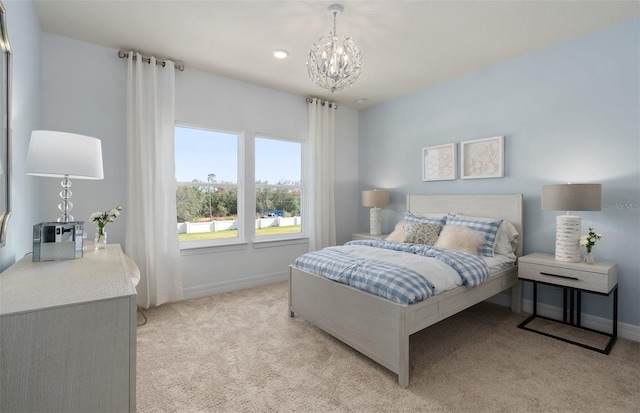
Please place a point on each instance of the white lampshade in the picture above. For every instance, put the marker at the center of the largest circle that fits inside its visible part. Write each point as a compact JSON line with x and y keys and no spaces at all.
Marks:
{"x":570,"y":197}
{"x":59,"y":154}
{"x":64,"y":155}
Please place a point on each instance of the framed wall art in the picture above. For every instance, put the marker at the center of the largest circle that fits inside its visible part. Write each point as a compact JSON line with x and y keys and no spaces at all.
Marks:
{"x":482,"y":158}
{"x":439,"y":162}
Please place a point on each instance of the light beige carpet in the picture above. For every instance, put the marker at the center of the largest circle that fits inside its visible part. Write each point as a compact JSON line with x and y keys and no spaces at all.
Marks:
{"x":241,"y":352}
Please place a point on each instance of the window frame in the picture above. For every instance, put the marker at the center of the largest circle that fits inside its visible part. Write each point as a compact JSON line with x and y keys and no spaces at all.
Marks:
{"x":246,"y":200}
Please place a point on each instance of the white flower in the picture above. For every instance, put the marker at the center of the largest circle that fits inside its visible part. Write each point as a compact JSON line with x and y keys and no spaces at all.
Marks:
{"x":107,"y":216}
{"x":590,"y":239}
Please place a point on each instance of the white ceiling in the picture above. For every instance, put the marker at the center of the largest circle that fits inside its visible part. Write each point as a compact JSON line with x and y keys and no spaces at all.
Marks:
{"x":406,"y":45}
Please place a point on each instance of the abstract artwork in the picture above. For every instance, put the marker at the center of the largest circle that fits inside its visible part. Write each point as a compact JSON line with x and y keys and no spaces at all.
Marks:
{"x":439,"y":162}
{"x":482,"y":158}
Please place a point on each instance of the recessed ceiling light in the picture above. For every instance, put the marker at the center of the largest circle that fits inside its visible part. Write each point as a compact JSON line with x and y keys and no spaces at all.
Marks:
{"x":361,"y":100}
{"x":280,"y":53}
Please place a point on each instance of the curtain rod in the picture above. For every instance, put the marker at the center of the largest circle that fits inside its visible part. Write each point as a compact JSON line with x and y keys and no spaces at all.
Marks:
{"x":331,"y":104}
{"x":123,"y":55}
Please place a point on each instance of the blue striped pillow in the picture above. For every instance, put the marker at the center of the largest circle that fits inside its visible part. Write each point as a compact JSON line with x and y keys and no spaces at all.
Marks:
{"x":488,"y":228}
{"x":410,"y":217}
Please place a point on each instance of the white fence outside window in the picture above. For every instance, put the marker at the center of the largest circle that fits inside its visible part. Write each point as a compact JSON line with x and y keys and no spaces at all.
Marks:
{"x":215,"y":226}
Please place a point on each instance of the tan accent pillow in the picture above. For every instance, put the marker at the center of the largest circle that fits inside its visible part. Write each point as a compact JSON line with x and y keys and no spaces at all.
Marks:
{"x":421,"y":232}
{"x":398,"y":233}
{"x":460,"y":238}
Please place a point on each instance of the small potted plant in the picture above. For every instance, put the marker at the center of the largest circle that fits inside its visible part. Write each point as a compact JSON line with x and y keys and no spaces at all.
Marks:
{"x":102,"y":217}
{"x":589,"y":241}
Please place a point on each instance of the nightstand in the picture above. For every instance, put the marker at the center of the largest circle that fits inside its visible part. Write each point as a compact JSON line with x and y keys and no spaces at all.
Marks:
{"x":600,"y":278}
{"x":366,"y":235}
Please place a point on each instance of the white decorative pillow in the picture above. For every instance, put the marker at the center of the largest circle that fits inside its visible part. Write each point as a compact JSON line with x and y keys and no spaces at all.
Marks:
{"x":421,"y":232}
{"x":398,"y":233}
{"x":507,"y":241}
{"x":460,"y":238}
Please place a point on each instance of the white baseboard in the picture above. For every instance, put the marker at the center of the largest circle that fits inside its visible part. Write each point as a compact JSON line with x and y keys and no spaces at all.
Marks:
{"x":225,"y":286}
{"x":628,"y":331}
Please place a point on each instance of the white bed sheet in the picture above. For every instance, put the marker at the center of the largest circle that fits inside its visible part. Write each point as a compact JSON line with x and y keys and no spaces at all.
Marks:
{"x":499,"y":262}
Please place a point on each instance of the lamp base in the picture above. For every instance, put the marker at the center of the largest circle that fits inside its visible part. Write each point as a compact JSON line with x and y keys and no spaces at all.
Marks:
{"x":375,"y":221}
{"x":568,"y":229}
{"x":66,"y":205}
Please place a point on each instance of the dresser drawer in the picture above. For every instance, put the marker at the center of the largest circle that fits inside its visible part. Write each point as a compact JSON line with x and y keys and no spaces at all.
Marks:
{"x":582,"y":279}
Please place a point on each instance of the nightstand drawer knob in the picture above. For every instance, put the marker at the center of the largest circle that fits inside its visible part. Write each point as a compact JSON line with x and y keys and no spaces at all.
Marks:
{"x":559,"y":276}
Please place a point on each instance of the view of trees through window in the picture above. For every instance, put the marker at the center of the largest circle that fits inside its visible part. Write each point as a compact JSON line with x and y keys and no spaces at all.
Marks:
{"x":205,"y":203}
{"x":278,"y":171}
{"x":207,"y":193}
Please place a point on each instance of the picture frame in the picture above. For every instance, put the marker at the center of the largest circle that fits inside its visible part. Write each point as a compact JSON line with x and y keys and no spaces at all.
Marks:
{"x":439,"y":162}
{"x":482,"y":158}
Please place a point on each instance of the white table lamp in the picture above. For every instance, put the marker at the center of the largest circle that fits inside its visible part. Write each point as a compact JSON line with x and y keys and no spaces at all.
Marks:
{"x":375,"y":199}
{"x":64,"y":155}
{"x":570,"y":197}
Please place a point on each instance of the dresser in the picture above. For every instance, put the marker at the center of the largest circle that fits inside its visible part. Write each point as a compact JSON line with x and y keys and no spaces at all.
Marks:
{"x":68,"y":334}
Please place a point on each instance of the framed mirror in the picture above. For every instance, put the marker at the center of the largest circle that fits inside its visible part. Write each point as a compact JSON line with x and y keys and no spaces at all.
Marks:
{"x":5,"y":134}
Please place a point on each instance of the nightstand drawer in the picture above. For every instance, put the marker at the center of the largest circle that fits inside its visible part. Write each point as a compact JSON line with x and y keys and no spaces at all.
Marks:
{"x":582,"y":279}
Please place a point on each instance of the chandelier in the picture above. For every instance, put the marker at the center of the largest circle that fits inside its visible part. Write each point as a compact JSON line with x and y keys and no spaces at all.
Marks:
{"x":334,"y":61}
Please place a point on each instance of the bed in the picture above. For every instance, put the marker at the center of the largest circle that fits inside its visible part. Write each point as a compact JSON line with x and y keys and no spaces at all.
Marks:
{"x":380,"y":328}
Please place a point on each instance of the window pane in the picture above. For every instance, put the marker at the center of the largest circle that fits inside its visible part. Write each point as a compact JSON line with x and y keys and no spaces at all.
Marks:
{"x":277,"y":211}
{"x":206,"y":212}
{"x":206,"y":156}
{"x":278,"y":162}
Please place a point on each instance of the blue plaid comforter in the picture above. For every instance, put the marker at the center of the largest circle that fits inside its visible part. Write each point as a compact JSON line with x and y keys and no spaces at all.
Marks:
{"x":391,"y":281}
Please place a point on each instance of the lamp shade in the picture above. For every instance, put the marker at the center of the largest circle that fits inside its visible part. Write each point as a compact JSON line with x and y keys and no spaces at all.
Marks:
{"x":572,"y":197}
{"x":375,"y":198}
{"x":60,"y":154}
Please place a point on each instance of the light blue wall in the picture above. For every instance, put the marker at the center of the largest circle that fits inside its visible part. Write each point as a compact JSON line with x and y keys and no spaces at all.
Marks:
{"x":569,"y":113}
{"x":25,"y":37}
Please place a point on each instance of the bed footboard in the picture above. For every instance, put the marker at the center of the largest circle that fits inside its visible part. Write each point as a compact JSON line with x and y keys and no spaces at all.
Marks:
{"x":372,"y":325}
{"x":376,"y":327}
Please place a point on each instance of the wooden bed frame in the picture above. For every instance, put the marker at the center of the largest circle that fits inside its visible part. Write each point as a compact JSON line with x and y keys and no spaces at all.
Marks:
{"x":379,"y":328}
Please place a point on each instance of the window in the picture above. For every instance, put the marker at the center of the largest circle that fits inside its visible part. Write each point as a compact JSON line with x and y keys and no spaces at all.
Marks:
{"x":207,"y":184}
{"x":278,"y":172}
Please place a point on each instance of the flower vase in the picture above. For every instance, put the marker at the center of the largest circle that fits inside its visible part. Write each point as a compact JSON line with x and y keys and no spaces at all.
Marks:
{"x":588,"y":258}
{"x":101,"y":239}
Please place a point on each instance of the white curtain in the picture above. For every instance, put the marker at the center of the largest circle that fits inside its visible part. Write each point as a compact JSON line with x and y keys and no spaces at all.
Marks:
{"x":151,"y":235}
{"x":321,"y":173}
